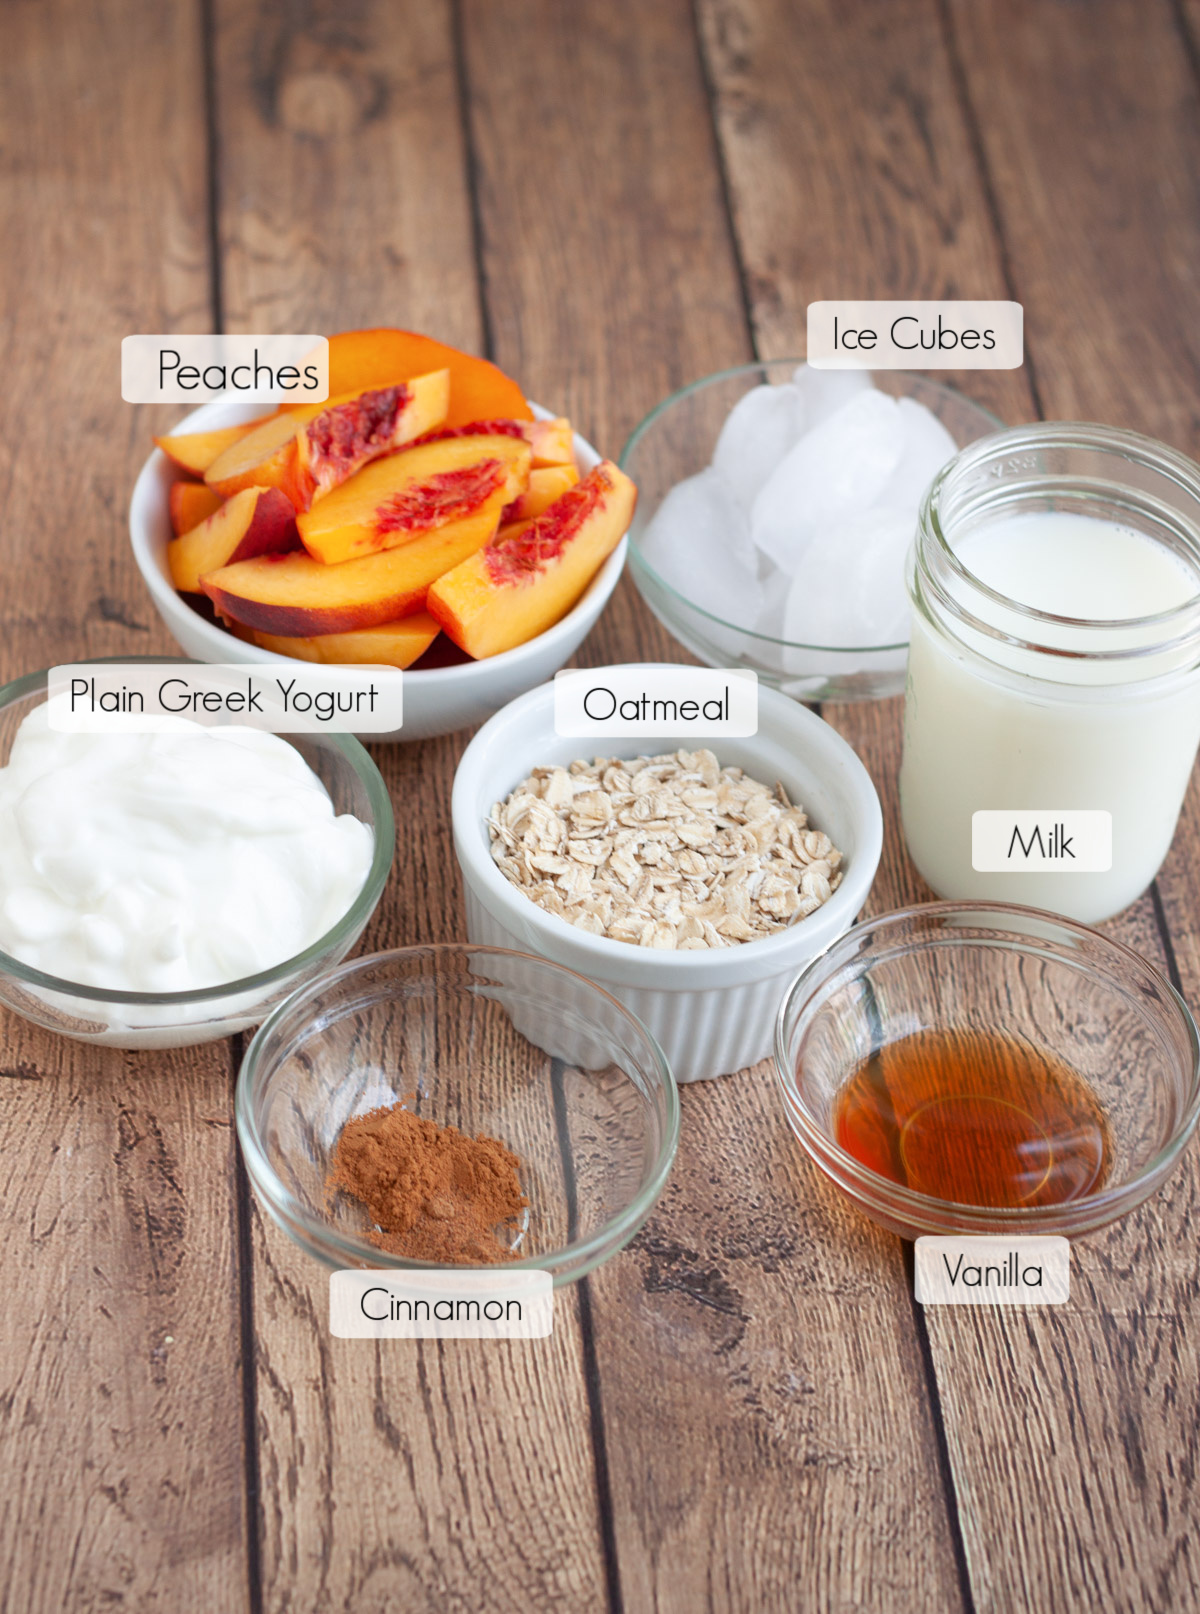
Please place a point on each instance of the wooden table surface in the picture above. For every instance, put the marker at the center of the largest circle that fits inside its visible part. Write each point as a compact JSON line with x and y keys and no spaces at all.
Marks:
{"x":745,"y":1410}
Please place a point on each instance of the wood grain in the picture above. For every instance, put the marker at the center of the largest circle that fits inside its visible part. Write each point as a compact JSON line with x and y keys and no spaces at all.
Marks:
{"x":749,"y":1431}
{"x":898,"y":206}
{"x":1111,"y":330}
{"x":744,"y":1411}
{"x":611,"y":280}
{"x":850,"y":170}
{"x":1090,"y":136}
{"x":435,"y":1476}
{"x":341,"y":190}
{"x":120,"y":1395}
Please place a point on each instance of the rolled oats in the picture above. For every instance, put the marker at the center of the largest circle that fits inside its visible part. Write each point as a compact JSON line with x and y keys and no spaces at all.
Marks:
{"x":670,"y":852}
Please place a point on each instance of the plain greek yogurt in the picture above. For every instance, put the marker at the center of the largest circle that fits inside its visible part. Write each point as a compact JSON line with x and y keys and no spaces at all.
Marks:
{"x":170,"y":861}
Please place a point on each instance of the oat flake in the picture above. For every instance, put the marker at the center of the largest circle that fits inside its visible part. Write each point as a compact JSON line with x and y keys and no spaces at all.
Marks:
{"x":672,"y":852}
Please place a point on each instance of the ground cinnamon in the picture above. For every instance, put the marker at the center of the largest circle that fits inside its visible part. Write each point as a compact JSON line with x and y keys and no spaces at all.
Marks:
{"x":436,"y":1193}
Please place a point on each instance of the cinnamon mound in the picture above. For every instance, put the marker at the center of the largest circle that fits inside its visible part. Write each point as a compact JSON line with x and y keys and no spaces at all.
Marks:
{"x":435,"y":1193}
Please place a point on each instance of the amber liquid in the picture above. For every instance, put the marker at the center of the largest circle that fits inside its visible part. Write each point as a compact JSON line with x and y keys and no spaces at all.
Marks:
{"x":977,"y":1117}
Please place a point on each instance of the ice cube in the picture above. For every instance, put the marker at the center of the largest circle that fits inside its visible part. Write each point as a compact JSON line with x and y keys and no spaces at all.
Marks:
{"x":775,"y":584}
{"x":927,"y":447}
{"x":823,"y":392}
{"x":699,"y":543}
{"x":759,"y":430}
{"x":840,"y":467}
{"x":848,"y":590}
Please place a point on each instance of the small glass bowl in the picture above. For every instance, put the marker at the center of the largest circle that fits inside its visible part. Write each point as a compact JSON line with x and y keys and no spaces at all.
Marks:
{"x":488,"y":1040}
{"x":1067,"y":990}
{"x":675,"y":441}
{"x":182,"y":1019}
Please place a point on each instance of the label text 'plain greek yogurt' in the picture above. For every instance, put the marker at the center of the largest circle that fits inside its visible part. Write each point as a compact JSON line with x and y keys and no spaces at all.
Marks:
{"x":147,"y":697}
{"x":885,"y":335}
{"x":466,"y":1303}
{"x":994,"y":1270}
{"x":684,"y":702}
{"x":253,"y":369}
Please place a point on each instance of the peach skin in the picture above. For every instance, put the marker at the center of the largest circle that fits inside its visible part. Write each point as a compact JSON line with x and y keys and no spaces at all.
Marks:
{"x":522,"y":584}
{"x":381,"y":357}
{"x":256,"y":521}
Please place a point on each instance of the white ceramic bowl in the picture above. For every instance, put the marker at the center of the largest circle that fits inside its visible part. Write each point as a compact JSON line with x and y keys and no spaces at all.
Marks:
{"x":437,"y":700}
{"x":711,"y":1012}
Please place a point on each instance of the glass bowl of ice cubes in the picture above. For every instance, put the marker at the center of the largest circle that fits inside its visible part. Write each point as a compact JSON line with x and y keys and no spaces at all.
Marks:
{"x":776,"y":507}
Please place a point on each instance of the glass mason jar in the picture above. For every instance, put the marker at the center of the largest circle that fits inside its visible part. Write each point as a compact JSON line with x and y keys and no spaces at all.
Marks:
{"x":1012,"y":709}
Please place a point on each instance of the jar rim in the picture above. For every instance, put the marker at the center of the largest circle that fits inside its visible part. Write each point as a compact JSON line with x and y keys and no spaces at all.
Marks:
{"x":933,"y":553}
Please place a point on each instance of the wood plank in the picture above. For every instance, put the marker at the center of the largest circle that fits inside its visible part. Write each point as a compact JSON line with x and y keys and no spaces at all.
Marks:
{"x":1070,"y":1429}
{"x":1055,"y":1501}
{"x":610,"y":282}
{"x":120,"y":1400}
{"x":1102,"y":237}
{"x":749,"y":1431}
{"x":452,"y":1474}
{"x":392,"y":1476}
{"x":1073,"y":122}
{"x":850,"y":171}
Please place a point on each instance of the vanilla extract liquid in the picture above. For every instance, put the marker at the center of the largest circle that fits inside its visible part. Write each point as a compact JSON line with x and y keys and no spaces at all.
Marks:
{"x":975,"y":1117}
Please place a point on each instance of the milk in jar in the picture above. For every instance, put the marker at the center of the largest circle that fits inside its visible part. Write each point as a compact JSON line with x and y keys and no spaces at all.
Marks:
{"x":1053,"y":661}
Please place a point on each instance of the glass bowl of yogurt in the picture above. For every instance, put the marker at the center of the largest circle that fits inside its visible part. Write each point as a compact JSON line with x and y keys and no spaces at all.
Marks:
{"x":776,"y":507}
{"x":163,"y":889}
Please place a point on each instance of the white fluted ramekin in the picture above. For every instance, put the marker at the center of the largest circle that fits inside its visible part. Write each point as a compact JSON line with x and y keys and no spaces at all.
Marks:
{"x":711,"y":1012}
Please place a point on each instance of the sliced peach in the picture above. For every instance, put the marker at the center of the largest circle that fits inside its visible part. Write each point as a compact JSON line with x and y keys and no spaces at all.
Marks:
{"x":381,"y":357}
{"x":256,"y":521}
{"x":510,"y":529}
{"x":298,"y":596}
{"x":476,"y":428}
{"x":265,"y":457}
{"x":190,"y":503}
{"x":547,"y":483}
{"x":515,"y":589}
{"x":195,"y":451}
{"x":391,"y":644}
{"x":307,"y":454}
{"x":552,"y":441}
{"x":397,"y":498}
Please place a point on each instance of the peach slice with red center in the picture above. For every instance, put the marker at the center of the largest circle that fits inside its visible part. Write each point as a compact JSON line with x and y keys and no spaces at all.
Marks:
{"x":396,"y":499}
{"x":359,"y":360}
{"x":300,"y":597}
{"x":521,"y":584}
{"x":391,"y":644}
{"x":190,"y":503}
{"x":546,"y":484}
{"x":552,"y":441}
{"x":194,"y":452}
{"x":256,"y":521}
{"x":308,"y":452}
